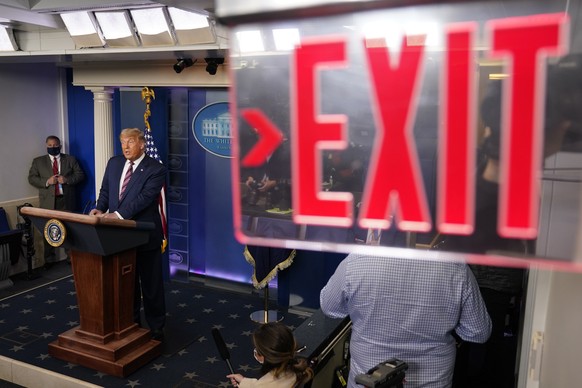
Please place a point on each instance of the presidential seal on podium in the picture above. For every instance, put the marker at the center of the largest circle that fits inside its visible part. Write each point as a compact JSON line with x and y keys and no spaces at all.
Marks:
{"x":55,"y":232}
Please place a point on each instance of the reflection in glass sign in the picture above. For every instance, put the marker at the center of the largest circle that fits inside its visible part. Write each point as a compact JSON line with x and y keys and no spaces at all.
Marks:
{"x":428,"y":127}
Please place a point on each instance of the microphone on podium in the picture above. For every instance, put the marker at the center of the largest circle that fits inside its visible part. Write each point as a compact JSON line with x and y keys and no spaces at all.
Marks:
{"x":222,"y":349}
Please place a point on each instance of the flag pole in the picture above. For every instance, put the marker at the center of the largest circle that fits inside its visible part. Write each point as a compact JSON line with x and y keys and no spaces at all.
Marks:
{"x":148,"y":95}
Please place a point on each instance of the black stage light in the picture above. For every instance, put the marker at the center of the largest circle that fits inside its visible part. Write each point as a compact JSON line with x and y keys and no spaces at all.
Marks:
{"x":212,"y":64}
{"x":182,"y":64}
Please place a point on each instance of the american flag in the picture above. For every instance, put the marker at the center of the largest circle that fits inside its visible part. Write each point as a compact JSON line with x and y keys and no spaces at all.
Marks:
{"x":152,"y":152}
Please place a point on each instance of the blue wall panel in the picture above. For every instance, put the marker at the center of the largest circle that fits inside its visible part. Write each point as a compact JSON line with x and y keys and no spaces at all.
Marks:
{"x":81,"y":142}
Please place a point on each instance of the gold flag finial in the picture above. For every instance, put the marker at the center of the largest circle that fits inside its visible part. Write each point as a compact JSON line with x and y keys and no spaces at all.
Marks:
{"x":147,"y":95}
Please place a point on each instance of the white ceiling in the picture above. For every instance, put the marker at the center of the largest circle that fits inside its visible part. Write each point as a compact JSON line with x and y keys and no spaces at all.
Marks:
{"x":34,"y":20}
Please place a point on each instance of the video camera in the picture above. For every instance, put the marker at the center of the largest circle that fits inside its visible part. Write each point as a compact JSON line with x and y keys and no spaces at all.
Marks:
{"x":387,"y":374}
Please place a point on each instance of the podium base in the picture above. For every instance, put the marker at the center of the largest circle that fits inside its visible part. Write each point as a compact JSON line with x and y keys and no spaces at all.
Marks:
{"x":265,"y":316}
{"x":117,"y":357}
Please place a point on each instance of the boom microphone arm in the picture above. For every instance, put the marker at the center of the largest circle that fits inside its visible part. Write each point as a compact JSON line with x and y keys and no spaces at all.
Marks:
{"x":222,"y":349}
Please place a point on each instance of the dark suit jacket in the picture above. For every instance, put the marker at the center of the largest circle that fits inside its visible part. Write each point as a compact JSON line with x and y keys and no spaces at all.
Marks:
{"x":42,"y":169}
{"x":140,"y":199}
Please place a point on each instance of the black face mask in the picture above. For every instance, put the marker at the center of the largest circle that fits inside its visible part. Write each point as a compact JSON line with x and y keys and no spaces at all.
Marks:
{"x":53,"y":151}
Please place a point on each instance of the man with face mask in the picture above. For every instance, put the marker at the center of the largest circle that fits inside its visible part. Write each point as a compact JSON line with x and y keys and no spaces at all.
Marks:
{"x":55,"y":175}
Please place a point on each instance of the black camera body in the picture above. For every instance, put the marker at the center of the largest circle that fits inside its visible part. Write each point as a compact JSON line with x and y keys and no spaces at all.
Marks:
{"x":387,"y":374}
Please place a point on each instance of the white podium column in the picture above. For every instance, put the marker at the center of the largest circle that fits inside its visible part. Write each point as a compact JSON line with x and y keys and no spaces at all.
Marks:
{"x":103,"y":123}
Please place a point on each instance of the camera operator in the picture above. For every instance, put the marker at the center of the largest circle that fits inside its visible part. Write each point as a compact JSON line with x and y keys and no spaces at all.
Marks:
{"x":407,"y":309}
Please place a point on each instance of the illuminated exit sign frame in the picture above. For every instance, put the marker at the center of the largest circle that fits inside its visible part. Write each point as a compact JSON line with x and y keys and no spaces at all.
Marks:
{"x":394,"y":94}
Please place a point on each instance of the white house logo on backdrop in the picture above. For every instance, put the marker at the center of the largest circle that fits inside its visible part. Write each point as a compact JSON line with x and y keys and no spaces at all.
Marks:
{"x":212,"y":129}
{"x":176,"y":258}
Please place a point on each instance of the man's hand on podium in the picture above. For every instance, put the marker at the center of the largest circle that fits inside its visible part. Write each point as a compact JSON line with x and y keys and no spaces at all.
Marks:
{"x":96,"y":212}
{"x":99,"y":213}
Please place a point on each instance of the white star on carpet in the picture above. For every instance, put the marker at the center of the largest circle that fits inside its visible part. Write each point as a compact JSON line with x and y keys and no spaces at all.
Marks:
{"x":21,"y":328}
{"x":52,"y":288}
{"x":225,"y":384}
{"x":231,"y":319}
{"x":4,"y":305}
{"x":29,"y":296}
{"x":158,"y":367}
{"x":248,"y":306}
{"x":1,"y":320}
{"x":25,"y":311}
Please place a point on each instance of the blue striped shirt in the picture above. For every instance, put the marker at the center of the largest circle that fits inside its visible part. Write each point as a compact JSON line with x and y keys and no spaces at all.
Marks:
{"x":406,"y":309}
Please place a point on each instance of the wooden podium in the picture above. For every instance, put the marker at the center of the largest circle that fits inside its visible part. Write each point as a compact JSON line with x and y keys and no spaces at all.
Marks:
{"x":103,"y":261}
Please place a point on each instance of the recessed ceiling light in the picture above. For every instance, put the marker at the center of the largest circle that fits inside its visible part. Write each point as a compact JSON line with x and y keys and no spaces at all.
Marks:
{"x":152,"y":26}
{"x":83,"y":29}
{"x":7,"y":42}
{"x":117,"y":28}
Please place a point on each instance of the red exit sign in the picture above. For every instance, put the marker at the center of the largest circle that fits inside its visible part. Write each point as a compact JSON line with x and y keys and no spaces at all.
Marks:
{"x":394,"y":185}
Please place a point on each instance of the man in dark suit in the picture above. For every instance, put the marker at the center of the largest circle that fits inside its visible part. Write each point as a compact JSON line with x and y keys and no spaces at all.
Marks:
{"x":55,"y":175}
{"x":135,"y":197}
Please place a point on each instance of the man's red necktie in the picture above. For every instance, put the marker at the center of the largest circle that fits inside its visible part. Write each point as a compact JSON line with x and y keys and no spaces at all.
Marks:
{"x":56,"y":172}
{"x":126,"y":179}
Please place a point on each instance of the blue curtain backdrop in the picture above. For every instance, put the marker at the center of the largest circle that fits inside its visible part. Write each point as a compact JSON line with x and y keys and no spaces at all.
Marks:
{"x":213,"y":247}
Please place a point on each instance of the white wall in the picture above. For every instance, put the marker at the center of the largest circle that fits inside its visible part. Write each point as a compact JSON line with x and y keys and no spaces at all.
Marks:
{"x":31,"y":108}
{"x":562,"y":341}
{"x":554,"y":304}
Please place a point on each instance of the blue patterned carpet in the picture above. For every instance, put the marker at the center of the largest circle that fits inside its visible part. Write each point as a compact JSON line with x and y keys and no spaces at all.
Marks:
{"x":31,"y":320}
